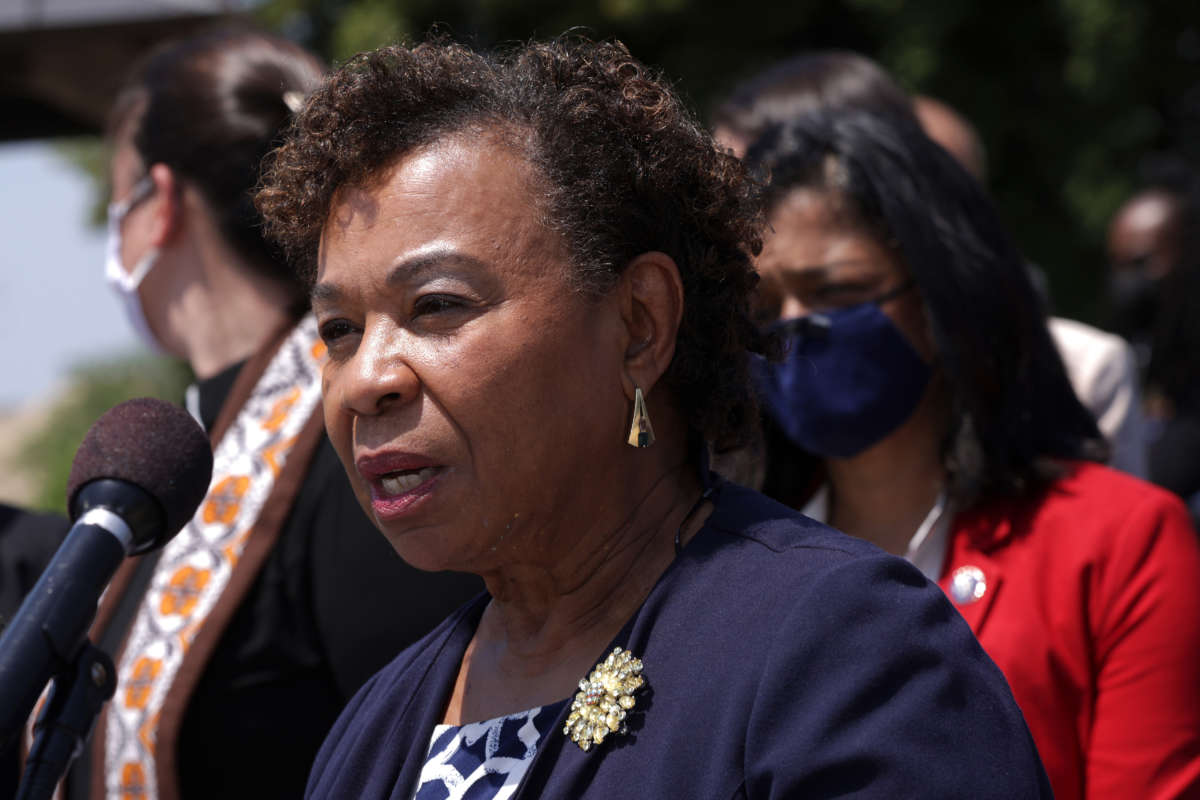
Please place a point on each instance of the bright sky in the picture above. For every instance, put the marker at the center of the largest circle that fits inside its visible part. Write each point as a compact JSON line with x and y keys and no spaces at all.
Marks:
{"x":55,"y":308}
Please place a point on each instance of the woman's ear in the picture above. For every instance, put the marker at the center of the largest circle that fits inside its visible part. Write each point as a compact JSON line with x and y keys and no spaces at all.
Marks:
{"x":167,"y":205}
{"x":652,"y":309}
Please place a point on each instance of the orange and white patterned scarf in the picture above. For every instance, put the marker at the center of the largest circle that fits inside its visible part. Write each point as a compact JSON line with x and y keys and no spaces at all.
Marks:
{"x":196,"y":565}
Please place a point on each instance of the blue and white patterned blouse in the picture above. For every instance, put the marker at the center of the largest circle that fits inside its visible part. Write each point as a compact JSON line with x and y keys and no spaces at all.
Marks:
{"x":483,"y":760}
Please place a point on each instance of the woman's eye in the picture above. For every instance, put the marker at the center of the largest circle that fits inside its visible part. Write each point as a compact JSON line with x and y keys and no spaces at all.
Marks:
{"x":840,"y":293}
{"x":335,"y":329}
{"x":435,"y":304}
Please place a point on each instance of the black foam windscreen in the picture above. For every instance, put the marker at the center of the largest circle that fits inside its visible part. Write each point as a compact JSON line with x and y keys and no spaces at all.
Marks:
{"x":154,"y":445}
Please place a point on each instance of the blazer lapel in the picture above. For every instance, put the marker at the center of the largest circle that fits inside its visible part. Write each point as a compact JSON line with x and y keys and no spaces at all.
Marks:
{"x":429,"y":698}
{"x":971,"y":578}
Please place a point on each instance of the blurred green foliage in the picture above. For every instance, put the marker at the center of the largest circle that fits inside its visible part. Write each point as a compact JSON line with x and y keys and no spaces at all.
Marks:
{"x":92,"y":390}
{"x":90,"y":154}
{"x":1069,"y":95}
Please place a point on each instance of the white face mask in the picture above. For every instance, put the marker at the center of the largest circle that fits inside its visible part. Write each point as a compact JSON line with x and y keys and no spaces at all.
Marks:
{"x":125,"y":284}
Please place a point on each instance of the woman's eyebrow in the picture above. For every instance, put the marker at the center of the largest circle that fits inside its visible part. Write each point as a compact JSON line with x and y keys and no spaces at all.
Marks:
{"x":406,"y":270}
{"x":831,"y":265}
{"x":828,"y":270}
{"x":324,"y":293}
{"x":417,"y":265}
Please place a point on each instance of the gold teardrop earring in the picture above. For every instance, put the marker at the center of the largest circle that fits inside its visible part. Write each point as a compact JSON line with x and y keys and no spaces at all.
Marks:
{"x":641,"y":433}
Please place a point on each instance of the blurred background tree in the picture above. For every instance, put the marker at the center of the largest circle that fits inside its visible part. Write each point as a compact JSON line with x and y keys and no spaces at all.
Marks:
{"x":1070,"y":96}
{"x":91,"y":390}
{"x":45,"y":451}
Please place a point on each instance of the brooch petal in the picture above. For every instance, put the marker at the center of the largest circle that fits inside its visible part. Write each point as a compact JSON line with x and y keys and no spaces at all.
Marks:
{"x":604,"y":699}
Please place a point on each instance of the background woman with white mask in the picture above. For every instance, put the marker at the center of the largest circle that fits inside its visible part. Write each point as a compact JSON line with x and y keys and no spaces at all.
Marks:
{"x":126,"y":282}
{"x":921,"y":405}
{"x":193,"y":275}
{"x":237,"y":648}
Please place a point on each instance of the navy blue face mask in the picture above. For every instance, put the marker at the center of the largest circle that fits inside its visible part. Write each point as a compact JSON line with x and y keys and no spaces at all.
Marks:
{"x":849,"y":378}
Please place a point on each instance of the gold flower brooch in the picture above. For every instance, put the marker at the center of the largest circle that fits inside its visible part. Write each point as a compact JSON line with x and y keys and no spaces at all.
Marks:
{"x":604,"y":698}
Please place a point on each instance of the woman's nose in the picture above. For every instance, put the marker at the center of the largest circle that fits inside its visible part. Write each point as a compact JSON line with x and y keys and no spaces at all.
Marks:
{"x":378,"y":377}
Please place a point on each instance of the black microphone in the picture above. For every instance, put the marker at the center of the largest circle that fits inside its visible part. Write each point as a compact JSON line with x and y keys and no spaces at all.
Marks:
{"x":137,"y":478}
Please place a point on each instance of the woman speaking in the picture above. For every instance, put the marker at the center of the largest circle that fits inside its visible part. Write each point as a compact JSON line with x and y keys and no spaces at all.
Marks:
{"x":532,"y":272}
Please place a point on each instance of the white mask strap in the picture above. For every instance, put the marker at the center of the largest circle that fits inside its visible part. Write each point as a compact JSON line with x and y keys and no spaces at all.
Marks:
{"x":135,"y":277}
{"x":141,"y":190}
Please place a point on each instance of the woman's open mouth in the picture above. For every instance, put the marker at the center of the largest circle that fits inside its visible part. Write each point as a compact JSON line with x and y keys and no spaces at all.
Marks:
{"x":398,"y":486}
{"x":406,"y":480}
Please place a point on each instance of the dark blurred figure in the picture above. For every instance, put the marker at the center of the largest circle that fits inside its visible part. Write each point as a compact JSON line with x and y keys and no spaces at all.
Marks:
{"x":1145,"y":233}
{"x":954,"y":133}
{"x":1144,"y":246}
{"x":1173,"y":376}
{"x":27,"y":543}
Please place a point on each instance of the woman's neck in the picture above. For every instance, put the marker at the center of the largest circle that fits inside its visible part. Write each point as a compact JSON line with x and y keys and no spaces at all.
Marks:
{"x":550,"y":621}
{"x":883,"y":494}
{"x":227,"y":312}
{"x":598,"y":583}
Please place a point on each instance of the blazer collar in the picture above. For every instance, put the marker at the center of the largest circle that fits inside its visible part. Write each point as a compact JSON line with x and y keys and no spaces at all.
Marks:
{"x":432,"y":692}
{"x":987,"y":526}
{"x":974,"y":575}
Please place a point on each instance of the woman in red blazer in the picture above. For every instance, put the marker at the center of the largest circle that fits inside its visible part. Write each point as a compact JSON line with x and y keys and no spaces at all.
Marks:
{"x":1088,"y":603}
{"x":920,"y":404}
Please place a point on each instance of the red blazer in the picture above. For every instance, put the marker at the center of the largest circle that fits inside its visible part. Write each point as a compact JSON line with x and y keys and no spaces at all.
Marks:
{"x":1087,"y":596}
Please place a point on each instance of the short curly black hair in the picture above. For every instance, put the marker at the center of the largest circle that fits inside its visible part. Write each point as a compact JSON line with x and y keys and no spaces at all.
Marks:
{"x":627,"y":169}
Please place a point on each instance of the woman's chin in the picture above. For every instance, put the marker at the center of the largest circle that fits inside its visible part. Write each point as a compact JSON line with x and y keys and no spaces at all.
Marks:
{"x":427,"y":549}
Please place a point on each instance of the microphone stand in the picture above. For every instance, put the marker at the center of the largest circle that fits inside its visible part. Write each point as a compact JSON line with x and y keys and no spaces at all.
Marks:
{"x":78,"y":693}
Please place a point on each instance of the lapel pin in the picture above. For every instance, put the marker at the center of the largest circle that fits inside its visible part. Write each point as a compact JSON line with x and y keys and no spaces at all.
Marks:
{"x":967,"y":585}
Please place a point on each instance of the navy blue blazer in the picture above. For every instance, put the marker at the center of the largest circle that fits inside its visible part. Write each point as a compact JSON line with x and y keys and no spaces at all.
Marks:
{"x":782,"y":659}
